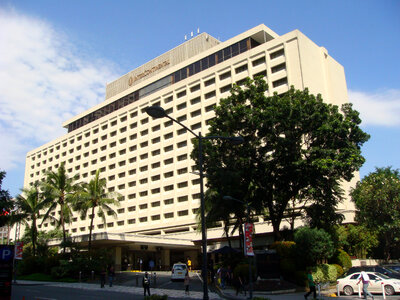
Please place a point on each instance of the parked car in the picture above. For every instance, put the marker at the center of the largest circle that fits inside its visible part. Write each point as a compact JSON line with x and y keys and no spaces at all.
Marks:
{"x":394,"y":267}
{"x":380,"y":269}
{"x":348,"y":285}
{"x":178,"y":271}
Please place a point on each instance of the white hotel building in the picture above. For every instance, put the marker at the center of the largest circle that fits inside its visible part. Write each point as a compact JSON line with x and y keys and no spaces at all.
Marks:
{"x":148,"y":161}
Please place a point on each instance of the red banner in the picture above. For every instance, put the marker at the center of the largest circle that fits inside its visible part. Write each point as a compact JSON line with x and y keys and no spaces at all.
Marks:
{"x":19,"y":248}
{"x":248,"y":239}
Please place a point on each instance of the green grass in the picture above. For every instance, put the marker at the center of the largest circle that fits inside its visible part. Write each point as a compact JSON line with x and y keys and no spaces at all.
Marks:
{"x":44,"y":277}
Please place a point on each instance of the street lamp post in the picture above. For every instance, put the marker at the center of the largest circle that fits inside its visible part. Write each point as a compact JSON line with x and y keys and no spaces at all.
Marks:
{"x":158,"y":112}
{"x":248,"y":221}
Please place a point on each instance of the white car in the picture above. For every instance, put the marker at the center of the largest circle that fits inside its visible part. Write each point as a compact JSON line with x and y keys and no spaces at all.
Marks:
{"x":348,"y":285}
{"x":179,"y":271}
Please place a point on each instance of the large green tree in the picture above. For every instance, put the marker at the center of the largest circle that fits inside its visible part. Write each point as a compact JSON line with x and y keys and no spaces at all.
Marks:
{"x":93,"y":196}
{"x":294,"y":142}
{"x":29,"y":204}
{"x":377,"y":199}
{"x":60,"y":189}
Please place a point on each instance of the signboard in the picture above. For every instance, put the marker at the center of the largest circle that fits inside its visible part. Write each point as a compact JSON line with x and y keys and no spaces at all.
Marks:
{"x":6,"y":269}
{"x":248,"y":239}
{"x":19,"y":248}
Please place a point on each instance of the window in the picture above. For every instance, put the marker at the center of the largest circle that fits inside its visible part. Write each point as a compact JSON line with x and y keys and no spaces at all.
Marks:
{"x":182,"y":171}
{"x":182,"y":157}
{"x":155,"y":178}
{"x":143,"y":206}
{"x":195,"y":113}
{"x":169,"y":188}
{"x":168,"y":201}
{"x":143,"y":219}
{"x":279,"y":82}
{"x":168,"y":148}
{"x":168,"y":174}
{"x":277,"y":54}
{"x":195,"y":88}
{"x":195,"y":100}
{"x":168,"y":135}
{"x":182,"y":144}
{"x":182,"y":184}
{"x":181,"y":106}
{"x":155,"y":204}
{"x":131,"y":221}
{"x":183,"y":213}
{"x":156,"y":191}
{"x":209,"y":82}
{"x":183,"y":199}
{"x":121,"y":210}
{"x":131,"y":208}
{"x":241,"y":69}
{"x":168,"y":161}
{"x":278,"y":68}
{"x":169,"y":215}
{"x":155,"y":165}
{"x":225,"y":75}
{"x":209,"y":95}
{"x":225,"y":89}
{"x":258,"y":61}
{"x":155,"y":217}
{"x":181,"y":94}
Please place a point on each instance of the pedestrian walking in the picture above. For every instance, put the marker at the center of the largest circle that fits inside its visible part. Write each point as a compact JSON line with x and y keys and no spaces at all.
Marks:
{"x":111,"y":275}
{"x":102,"y":277}
{"x":311,"y":285}
{"x":186,"y":283}
{"x":365,"y":280}
{"x":146,"y":284}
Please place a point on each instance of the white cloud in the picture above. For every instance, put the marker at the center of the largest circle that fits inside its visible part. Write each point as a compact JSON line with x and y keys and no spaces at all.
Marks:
{"x":44,"y":81}
{"x":381,"y":108}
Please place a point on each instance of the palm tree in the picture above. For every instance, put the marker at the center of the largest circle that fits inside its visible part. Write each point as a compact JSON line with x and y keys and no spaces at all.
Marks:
{"x":29,"y":204}
{"x":94,"y":195}
{"x":60,"y":190}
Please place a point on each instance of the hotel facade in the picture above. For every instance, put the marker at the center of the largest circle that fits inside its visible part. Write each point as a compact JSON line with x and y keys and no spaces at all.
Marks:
{"x":148,"y":160}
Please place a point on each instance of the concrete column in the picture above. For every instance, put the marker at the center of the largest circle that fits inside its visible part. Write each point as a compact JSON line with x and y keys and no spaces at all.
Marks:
{"x":165,"y":259}
{"x":117,"y":258}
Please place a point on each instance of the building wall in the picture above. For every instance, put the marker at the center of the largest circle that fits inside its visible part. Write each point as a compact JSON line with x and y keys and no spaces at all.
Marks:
{"x":147,"y":160}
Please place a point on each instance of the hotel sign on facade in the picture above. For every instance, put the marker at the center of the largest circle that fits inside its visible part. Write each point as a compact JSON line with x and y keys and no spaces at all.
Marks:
{"x":134,"y":78}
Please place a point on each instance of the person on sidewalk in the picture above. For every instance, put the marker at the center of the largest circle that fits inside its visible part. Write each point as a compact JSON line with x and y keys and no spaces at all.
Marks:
{"x":186,"y":283}
{"x":146,"y":284}
{"x":111,"y":275}
{"x":102,"y":277}
{"x":311,"y":285}
{"x":365,"y":280}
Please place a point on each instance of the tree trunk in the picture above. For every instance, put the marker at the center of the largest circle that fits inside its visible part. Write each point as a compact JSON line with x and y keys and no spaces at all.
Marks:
{"x":90,"y":232}
{"x":33,"y":229}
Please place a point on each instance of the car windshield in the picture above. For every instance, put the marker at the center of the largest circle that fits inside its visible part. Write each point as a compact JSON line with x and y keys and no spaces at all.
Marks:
{"x":382,"y":276}
{"x":180,"y":267}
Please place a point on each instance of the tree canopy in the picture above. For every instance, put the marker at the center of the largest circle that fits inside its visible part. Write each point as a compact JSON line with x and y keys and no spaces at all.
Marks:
{"x":6,"y":203}
{"x":377,"y":199}
{"x":295,"y":144}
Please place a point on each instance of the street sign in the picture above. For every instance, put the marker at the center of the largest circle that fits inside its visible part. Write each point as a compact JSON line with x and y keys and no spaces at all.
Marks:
{"x":19,"y":248}
{"x":248,"y":239}
{"x":6,"y":270}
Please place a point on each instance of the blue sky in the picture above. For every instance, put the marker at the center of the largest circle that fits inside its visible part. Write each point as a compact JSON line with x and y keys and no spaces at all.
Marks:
{"x":57,"y":56}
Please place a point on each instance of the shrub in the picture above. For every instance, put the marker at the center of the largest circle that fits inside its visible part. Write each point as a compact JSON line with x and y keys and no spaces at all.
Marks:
{"x":59,"y":272}
{"x":300,"y":278}
{"x":325,"y":273}
{"x":339,"y":270}
{"x":242,"y":270}
{"x":30,"y":265}
{"x":285,"y":249}
{"x":49,"y":263}
{"x":342,"y":259}
{"x":312,"y":246}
